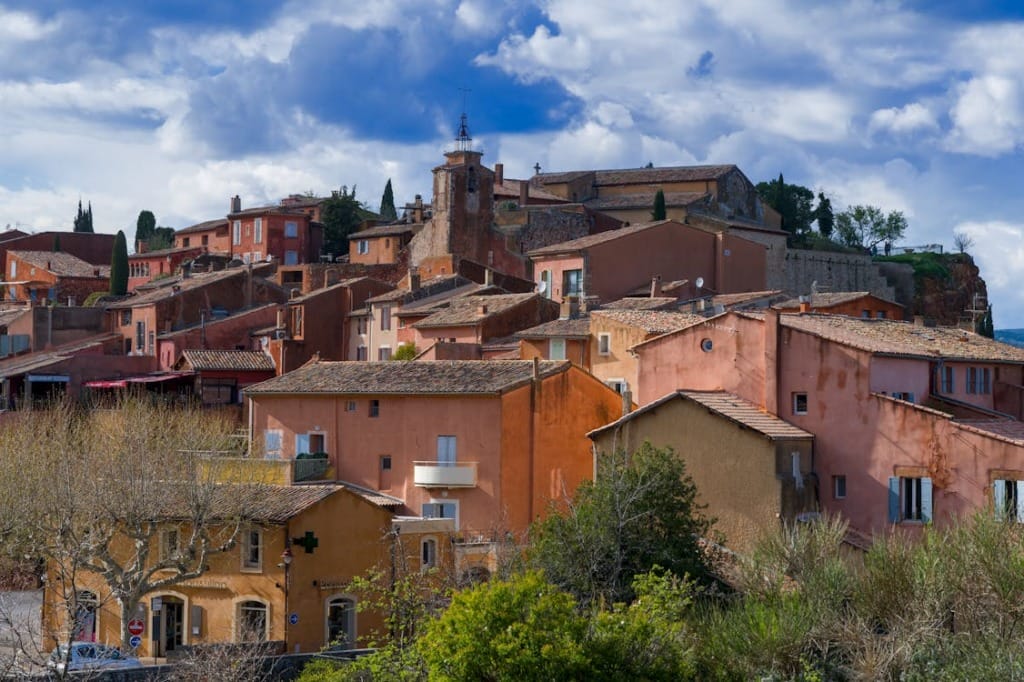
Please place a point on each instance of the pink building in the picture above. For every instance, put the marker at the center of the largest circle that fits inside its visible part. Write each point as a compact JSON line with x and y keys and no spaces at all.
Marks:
{"x":911,"y":423}
{"x":613,"y":264}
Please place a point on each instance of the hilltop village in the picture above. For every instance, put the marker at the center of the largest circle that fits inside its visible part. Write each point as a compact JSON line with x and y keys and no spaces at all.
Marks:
{"x":459,"y":369}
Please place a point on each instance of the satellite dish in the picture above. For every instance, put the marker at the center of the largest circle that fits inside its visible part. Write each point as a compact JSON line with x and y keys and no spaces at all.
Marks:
{"x":542,"y":287}
{"x":700,"y":282}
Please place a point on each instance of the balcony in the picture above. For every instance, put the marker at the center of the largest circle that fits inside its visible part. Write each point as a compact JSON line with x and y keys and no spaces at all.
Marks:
{"x":444,"y":474}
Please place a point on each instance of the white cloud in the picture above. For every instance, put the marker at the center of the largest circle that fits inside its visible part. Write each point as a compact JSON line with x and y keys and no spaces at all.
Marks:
{"x":988,"y":117}
{"x":22,"y":27}
{"x":999,"y":251}
{"x":902,"y":120}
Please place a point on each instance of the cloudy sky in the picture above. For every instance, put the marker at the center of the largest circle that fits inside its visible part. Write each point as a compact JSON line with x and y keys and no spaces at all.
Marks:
{"x":176,"y":106}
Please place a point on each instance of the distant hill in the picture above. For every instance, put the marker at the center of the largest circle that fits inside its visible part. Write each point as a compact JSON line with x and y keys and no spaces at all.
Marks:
{"x":1011,"y":336}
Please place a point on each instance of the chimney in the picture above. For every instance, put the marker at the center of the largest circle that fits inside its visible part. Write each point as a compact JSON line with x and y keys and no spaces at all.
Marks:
{"x":95,"y":271}
{"x":414,"y":279}
{"x":627,"y":402}
{"x":481,"y":310}
{"x":499,"y":173}
{"x":50,"y":267}
{"x":236,"y":204}
{"x":186,"y":269}
{"x":141,"y":247}
{"x":918,"y":320}
{"x":536,"y":368}
{"x":488,"y":277}
{"x":805,"y":304}
{"x":524,"y":193}
{"x":570,"y":308}
{"x":417,"y":209}
{"x":656,"y":286}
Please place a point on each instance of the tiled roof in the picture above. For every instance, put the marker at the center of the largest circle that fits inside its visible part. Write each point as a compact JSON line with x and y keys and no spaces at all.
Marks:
{"x":431,"y":304}
{"x":510,"y":188}
{"x":204,"y":226}
{"x":468,"y":309}
{"x":405,"y":378}
{"x":643,"y":176}
{"x":241,"y":360}
{"x":269,"y":503}
{"x":167,"y":285}
{"x":309,"y":295}
{"x":642,"y":303}
{"x":430,"y":287}
{"x":726,"y":405}
{"x":273,"y":208}
{"x":829,"y":299}
{"x":374,"y":496}
{"x":23,"y":364}
{"x":164,"y":252}
{"x":1003,"y":428}
{"x":889,"y":337}
{"x":745,"y":297}
{"x":61,"y":264}
{"x":595,"y":239}
{"x":643,"y":200}
{"x":578,"y":328}
{"x":382,"y":231}
{"x":735,"y":223}
{"x":651,"y":321}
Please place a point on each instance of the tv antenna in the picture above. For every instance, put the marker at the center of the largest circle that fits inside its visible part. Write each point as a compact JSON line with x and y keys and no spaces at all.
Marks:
{"x":464,"y":142}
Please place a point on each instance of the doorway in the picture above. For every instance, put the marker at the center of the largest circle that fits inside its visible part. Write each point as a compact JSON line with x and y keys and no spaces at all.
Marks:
{"x":171,"y":621}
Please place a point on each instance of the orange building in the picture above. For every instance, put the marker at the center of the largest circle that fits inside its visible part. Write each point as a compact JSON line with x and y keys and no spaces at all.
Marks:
{"x":850,"y":303}
{"x":145,"y":266}
{"x":488,"y":444}
{"x":284,"y":581}
{"x":379,"y":245}
{"x":212,"y":236}
{"x":52,"y":276}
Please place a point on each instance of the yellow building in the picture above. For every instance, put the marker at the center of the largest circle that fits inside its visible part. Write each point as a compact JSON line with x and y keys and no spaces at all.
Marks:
{"x":284,"y":581}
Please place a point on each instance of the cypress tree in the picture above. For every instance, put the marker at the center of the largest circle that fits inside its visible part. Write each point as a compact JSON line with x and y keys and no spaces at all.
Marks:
{"x":56,"y":243}
{"x":387,"y":203}
{"x":83,"y":221}
{"x":659,"y":206}
{"x":119,"y":266}
{"x":145,"y":227}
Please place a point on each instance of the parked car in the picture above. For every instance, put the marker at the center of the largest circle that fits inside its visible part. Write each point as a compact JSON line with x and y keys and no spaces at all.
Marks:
{"x":90,"y":656}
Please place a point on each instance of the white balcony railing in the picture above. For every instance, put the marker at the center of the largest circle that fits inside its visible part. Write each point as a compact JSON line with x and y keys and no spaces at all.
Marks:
{"x":444,"y":474}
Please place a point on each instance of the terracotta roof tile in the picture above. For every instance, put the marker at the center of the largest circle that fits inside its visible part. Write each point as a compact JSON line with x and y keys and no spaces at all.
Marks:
{"x":382,"y":231}
{"x":240,"y":360}
{"x":642,"y":303}
{"x":469,"y":309}
{"x":644,"y":200}
{"x":651,"y":321}
{"x":640,"y":175}
{"x":430,"y":287}
{"x":595,"y":239}
{"x":407,"y":378}
{"x":62,"y":264}
{"x":204,"y":226}
{"x":829,"y":299}
{"x":510,"y":188}
{"x":578,"y":328}
{"x":166,"y":288}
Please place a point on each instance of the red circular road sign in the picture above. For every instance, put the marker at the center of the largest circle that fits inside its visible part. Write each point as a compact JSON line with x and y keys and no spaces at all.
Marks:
{"x":136,"y":626}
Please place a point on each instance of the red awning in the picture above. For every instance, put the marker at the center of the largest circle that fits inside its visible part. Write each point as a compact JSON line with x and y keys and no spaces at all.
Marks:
{"x":117,"y":383}
{"x":143,"y":379}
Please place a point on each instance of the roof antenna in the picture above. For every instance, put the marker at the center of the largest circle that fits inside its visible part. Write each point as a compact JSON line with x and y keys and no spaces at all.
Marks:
{"x":463,"y":142}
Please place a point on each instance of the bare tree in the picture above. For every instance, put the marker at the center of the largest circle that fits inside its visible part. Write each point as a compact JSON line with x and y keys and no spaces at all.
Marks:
{"x":962,"y":241}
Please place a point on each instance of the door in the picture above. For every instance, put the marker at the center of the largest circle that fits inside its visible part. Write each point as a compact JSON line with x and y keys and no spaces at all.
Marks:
{"x":172,"y":627}
{"x":341,"y":613}
{"x":446,"y":450}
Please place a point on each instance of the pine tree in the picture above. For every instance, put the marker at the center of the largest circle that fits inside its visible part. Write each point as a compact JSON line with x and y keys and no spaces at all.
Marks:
{"x":659,"y":206}
{"x":387,"y":204}
{"x":83,"y":221}
{"x":984,"y":326}
{"x":119,"y":266}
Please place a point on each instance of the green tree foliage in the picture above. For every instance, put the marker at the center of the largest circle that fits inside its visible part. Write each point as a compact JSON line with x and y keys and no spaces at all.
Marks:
{"x":119,"y":266}
{"x":985,"y":326}
{"x":793,"y":202}
{"x":867,"y":226}
{"x":824,"y":217}
{"x":515,"y":631}
{"x":163,"y":238}
{"x":387,"y":203}
{"x":83,"y":221}
{"x":145,"y":225}
{"x":56,"y":243}
{"x":341,"y":216}
{"x":640,"y":512}
{"x":659,"y":213}
{"x":406,"y":351}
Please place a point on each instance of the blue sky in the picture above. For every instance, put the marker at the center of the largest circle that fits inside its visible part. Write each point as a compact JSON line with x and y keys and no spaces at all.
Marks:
{"x":174,"y":107}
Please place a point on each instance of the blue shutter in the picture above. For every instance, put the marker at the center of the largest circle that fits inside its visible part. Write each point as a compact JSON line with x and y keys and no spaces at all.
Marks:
{"x":301,"y":443}
{"x":999,"y":499}
{"x":926,"y":500}
{"x":894,"y":499}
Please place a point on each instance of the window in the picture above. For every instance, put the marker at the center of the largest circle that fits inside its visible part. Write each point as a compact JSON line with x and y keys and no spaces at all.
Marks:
{"x":799,"y":403}
{"x":185,"y":241}
{"x":865,"y":314}
{"x":169,"y":544}
{"x":297,"y":321}
{"x":910,"y":499}
{"x":151,"y":343}
{"x":618,"y":385}
{"x":257,"y":237}
{"x":446,"y":450}
{"x":361,"y":353}
{"x":252,"y":550}
{"x":544,"y":287}
{"x":291,"y":257}
{"x":140,"y":335}
{"x":385,"y":318}
{"x":126,"y":318}
{"x":340,"y":619}
{"x":385,"y":462}
{"x":428,"y":553}
{"x":14,"y":269}
{"x":945,"y":378}
{"x":87,"y":606}
{"x":206,"y":240}
{"x":384,"y":353}
{"x":572,"y":283}
{"x":880,"y":314}
{"x":604,"y":344}
{"x":236,"y":232}
{"x":291,"y":229}
{"x":360,"y":325}
{"x":272,"y":443}
{"x":374,"y":408}
{"x":252,"y":621}
{"x":436,"y":509}
{"x":706,"y":345}
{"x":979,"y":380}
{"x":1008,"y":500}
{"x":839,"y":487}
{"x":318,"y":442}
{"x":350,"y":406}
{"x":556,"y":349}
{"x":363,"y":246}
{"x":903,"y":395}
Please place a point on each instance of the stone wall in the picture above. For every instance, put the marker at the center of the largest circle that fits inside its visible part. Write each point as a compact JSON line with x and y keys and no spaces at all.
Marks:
{"x":834,"y":271}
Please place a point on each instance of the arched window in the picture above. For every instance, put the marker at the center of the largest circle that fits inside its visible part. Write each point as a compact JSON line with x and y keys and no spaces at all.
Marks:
{"x":341,"y":621}
{"x":471,"y":180}
{"x":86,"y":609}
{"x":252,"y":621}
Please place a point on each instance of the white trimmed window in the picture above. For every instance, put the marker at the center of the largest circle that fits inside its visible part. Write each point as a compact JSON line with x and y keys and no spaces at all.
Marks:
{"x":257,"y":236}
{"x":442,"y":509}
{"x":170,"y":543}
{"x":252,"y":621}
{"x":556,"y":349}
{"x":363,"y":247}
{"x":236,"y":232}
{"x":799,"y":403}
{"x":1008,"y":500}
{"x":910,"y":499}
{"x":604,"y":344}
{"x":291,"y":229}
{"x":252,"y":550}
{"x":272,"y":439}
{"x":428,"y":553}
{"x":839,"y":487}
